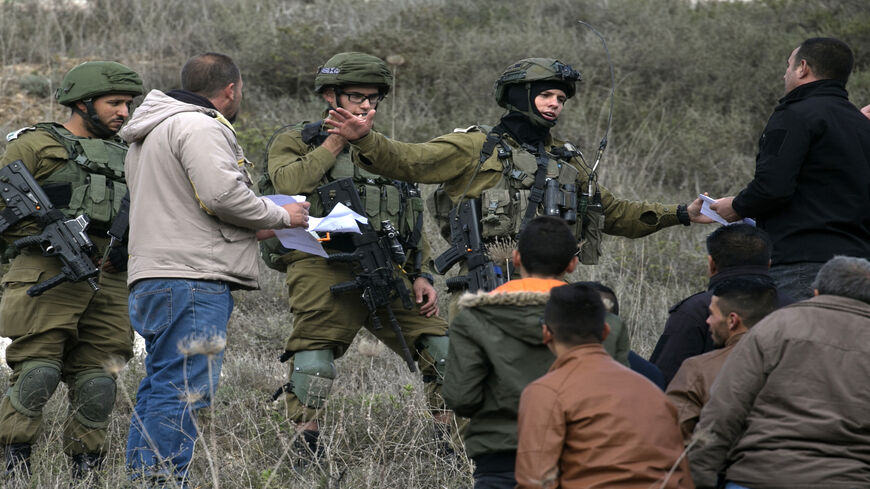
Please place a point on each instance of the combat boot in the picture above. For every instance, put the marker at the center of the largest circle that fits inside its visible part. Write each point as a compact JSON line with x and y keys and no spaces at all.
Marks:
{"x":86,"y":465}
{"x":17,"y":460}
{"x":308,"y":449}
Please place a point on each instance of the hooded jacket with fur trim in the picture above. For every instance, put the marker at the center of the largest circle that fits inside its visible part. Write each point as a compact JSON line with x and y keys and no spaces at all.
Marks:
{"x":495,"y":351}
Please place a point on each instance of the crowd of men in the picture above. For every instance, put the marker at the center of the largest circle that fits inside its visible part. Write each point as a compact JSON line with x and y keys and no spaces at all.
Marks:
{"x":764,"y":369}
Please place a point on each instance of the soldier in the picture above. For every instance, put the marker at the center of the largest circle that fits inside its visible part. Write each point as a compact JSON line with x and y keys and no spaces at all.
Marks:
{"x":299,"y":160}
{"x":516,"y":167}
{"x":70,"y":332}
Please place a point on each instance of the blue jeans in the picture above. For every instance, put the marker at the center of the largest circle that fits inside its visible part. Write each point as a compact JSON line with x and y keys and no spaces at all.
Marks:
{"x":796,"y":279}
{"x":732,"y":485}
{"x":184,"y":323}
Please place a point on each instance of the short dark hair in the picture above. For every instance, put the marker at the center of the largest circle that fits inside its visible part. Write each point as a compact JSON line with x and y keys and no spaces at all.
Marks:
{"x":607,"y":294}
{"x":575,"y":314}
{"x":546,"y":245}
{"x":830,"y":58}
{"x":845,"y":276}
{"x":739,"y":244}
{"x":750,"y":297}
{"x":207,"y":74}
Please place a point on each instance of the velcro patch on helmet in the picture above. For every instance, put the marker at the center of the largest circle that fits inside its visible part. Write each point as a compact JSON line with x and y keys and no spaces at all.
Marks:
{"x":327,"y":70}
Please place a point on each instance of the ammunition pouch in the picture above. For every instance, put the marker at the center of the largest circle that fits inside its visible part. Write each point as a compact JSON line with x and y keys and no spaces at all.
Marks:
{"x":92,"y":180}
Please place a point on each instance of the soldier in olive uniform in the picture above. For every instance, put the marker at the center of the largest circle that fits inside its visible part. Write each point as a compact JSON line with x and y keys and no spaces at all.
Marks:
{"x":513,"y":168}
{"x":69,"y":333}
{"x":303,"y":158}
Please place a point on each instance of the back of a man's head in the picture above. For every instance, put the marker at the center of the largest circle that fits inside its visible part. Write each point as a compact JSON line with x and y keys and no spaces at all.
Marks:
{"x":845,"y":276}
{"x":829,"y":58}
{"x":207,"y":74}
{"x":608,"y":296}
{"x":751,"y":298}
{"x":575,"y":314}
{"x":546,"y":245}
{"x":739,"y":244}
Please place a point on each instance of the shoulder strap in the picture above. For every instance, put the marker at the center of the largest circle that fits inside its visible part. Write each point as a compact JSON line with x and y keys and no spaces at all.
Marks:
{"x":536,"y":193}
{"x":312,"y":133}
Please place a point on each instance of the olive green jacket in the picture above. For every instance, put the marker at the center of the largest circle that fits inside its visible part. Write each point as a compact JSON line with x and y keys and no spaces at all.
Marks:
{"x":43,"y":155}
{"x":495,"y":351}
{"x":297,"y":169}
{"x":451,"y":159}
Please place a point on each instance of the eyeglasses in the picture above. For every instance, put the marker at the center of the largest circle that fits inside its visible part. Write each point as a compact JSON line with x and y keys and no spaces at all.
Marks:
{"x":358,"y":98}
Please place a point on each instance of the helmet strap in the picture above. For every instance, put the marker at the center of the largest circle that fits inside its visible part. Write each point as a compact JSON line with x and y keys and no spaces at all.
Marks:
{"x":92,"y":120}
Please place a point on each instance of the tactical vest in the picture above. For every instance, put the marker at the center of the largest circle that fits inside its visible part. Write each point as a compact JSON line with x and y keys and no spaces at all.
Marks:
{"x":383,"y":199}
{"x":92,"y":180}
{"x":504,"y":206}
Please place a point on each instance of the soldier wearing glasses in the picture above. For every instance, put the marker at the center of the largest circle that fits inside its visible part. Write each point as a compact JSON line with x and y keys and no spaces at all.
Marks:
{"x":302,"y":157}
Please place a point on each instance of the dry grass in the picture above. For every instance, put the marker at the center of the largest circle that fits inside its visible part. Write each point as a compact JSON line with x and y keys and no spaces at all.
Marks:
{"x":694,"y":87}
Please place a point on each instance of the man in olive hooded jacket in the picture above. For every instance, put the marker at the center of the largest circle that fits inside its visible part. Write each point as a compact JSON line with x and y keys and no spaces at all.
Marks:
{"x":496,"y":349}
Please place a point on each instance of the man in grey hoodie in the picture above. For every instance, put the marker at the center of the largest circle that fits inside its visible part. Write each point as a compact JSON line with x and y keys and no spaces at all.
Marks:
{"x":193,"y":222}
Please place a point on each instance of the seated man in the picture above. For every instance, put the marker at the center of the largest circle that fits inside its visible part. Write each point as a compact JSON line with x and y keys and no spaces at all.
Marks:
{"x":618,"y":342}
{"x":738,"y":250}
{"x":496,"y":349}
{"x":590,"y":422}
{"x":789,"y":407}
{"x":736,"y":306}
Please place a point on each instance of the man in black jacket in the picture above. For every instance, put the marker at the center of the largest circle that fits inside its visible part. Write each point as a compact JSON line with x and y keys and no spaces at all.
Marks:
{"x":738,"y":250}
{"x":811,"y":190}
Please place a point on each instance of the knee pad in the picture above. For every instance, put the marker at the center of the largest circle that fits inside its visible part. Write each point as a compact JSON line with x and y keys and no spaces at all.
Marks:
{"x":93,"y":398}
{"x":312,"y":377}
{"x":37,"y":381}
{"x":436,"y":347}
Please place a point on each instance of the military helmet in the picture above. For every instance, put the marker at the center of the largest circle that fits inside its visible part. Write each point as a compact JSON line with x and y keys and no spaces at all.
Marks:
{"x":536,"y":69}
{"x":93,"y":78}
{"x":354,"y":69}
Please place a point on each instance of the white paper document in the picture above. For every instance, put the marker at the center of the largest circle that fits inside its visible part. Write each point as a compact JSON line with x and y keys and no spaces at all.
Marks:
{"x":707,"y":211}
{"x":340,"y":220}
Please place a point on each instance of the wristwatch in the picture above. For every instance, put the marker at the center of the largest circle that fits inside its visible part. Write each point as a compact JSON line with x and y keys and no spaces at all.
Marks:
{"x":683,"y":214}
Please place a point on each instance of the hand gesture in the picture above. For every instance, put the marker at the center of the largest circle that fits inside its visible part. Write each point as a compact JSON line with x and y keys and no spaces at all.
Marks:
{"x":349,"y":126}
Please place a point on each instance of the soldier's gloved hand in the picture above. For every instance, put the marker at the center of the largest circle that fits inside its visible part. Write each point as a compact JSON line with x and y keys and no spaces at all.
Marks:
{"x":117,"y":259}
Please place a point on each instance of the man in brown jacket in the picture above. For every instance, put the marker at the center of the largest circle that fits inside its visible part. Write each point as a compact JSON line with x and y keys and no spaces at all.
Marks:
{"x":591,"y":422}
{"x":737,"y":304}
{"x":789,"y":407}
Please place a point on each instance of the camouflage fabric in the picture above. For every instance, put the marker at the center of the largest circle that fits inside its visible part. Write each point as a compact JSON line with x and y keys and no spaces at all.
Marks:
{"x":322,"y":320}
{"x":69,"y":324}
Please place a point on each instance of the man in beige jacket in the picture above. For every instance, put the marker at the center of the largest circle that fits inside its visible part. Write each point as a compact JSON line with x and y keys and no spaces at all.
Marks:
{"x":737,"y":304}
{"x":193,"y":219}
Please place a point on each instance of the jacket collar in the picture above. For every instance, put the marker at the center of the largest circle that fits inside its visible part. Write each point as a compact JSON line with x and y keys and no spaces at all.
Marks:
{"x":738,"y":271}
{"x":481,"y":298}
{"x":814,"y":89}
{"x":578,"y":351}
{"x":733,"y":339}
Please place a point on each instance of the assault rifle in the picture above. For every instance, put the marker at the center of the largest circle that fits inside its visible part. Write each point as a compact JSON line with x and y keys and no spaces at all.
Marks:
{"x":64,"y":238}
{"x":466,"y":244}
{"x":378,"y":255}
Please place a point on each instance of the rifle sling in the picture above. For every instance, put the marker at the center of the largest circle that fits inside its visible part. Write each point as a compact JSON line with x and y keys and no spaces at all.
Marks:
{"x":122,"y":220}
{"x":536,"y":193}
